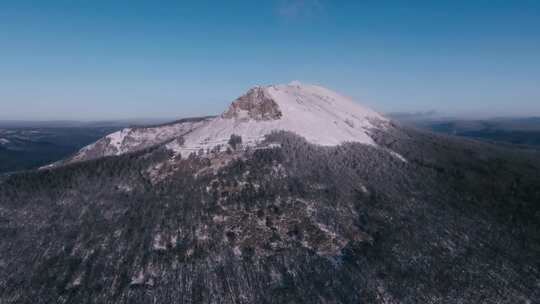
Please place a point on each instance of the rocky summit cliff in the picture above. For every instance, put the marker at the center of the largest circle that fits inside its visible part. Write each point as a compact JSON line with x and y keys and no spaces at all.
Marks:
{"x":295,"y":194}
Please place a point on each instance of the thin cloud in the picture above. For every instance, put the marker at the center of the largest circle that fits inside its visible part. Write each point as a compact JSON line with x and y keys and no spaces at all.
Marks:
{"x":295,"y":9}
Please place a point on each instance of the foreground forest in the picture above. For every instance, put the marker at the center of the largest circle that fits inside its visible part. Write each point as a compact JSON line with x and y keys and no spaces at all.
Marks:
{"x":423,"y":218}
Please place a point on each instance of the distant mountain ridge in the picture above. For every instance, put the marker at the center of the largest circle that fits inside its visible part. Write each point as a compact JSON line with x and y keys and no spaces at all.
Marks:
{"x":25,"y":148}
{"x":25,"y":124}
{"x":523,"y":132}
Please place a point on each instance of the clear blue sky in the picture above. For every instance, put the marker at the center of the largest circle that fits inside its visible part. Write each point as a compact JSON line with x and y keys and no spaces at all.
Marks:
{"x":97,"y":59}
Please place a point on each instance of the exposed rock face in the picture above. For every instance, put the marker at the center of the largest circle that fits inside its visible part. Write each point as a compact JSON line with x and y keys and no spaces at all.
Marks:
{"x":255,"y":104}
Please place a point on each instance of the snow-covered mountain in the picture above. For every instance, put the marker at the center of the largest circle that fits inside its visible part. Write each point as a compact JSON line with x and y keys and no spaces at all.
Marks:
{"x":291,"y":218}
{"x":318,"y":114}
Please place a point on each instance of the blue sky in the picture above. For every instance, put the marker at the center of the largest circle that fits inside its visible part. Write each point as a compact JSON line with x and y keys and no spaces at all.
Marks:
{"x":146,"y":59}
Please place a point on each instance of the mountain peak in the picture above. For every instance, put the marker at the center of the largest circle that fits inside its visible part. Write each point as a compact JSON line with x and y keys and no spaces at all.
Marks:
{"x":255,"y":104}
{"x":320,"y":115}
{"x":265,"y":102}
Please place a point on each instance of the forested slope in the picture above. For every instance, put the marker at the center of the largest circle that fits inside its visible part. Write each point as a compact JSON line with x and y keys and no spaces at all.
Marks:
{"x":452,"y":221}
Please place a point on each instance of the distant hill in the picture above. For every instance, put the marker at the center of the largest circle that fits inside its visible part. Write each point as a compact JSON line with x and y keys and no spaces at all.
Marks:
{"x":30,"y":144}
{"x":31,"y":147}
{"x":524,"y":132}
{"x":8,"y":124}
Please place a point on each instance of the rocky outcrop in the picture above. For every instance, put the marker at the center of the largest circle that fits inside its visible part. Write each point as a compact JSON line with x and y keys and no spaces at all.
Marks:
{"x":256,"y":105}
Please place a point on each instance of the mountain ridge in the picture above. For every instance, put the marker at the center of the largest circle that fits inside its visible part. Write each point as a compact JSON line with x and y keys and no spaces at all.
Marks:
{"x":318,"y":114}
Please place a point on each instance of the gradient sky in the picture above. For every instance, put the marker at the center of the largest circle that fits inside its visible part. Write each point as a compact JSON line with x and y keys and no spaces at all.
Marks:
{"x":146,"y":59}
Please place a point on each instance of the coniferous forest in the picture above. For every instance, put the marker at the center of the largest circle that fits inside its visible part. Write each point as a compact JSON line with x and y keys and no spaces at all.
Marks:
{"x":450,"y":221}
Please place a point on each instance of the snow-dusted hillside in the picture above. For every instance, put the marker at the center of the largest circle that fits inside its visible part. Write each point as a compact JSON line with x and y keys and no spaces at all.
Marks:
{"x":134,"y":139}
{"x":322,"y":116}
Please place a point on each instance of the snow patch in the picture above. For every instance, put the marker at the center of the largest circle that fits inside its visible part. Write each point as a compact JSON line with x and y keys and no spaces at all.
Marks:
{"x":138,"y":278}
{"x":363,"y":188}
{"x":237,"y":251}
{"x":159,"y":243}
{"x":77,"y":281}
{"x":397,"y":155}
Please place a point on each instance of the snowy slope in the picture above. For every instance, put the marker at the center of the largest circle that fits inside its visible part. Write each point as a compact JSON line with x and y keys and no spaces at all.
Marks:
{"x":322,"y":116}
{"x":134,"y":139}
